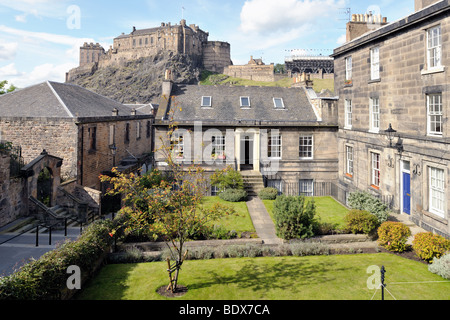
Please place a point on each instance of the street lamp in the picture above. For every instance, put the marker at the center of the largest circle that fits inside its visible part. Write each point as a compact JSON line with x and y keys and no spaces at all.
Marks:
{"x":113,"y":149}
{"x":390,"y":133}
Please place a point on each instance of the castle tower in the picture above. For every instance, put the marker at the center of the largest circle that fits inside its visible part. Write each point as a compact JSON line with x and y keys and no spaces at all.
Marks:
{"x":90,"y":53}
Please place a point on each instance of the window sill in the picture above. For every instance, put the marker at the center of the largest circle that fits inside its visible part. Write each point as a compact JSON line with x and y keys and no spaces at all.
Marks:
{"x":435,"y":216}
{"x":435,"y":135}
{"x":374,"y":81}
{"x":374,"y":131}
{"x":348,"y":128}
{"x":433,"y":70}
{"x":375,"y":187}
{"x":349,"y":176}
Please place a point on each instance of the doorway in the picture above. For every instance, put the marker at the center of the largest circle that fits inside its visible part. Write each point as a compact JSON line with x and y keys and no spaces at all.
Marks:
{"x":406,"y":187}
{"x":247,"y":147}
{"x":45,"y":186}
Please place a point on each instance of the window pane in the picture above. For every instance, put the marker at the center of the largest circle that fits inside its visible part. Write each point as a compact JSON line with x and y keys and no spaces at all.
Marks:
{"x":206,"y":101}
{"x":437,"y":191}
{"x":278,"y":102}
{"x":306,"y":147}
{"x":245,"y":102}
{"x":306,"y":188}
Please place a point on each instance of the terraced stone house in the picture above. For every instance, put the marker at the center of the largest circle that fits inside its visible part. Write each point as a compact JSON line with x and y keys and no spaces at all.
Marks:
{"x":394,"y":137}
{"x":286,"y":137}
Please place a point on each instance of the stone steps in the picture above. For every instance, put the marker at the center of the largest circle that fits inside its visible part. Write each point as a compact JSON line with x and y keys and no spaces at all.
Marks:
{"x":253,"y":182}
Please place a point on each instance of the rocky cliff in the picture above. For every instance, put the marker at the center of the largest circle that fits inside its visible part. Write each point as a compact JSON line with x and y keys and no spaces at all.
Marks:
{"x":138,"y":81}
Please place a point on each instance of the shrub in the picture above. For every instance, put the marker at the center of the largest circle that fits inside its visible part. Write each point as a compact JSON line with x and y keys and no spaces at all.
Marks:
{"x":367,"y":202}
{"x":268,"y":194}
{"x":294,"y":219}
{"x":441,"y":266}
{"x":393,"y":236}
{"x":227,"y":178}
{"x":428,"y":245}
{"x":360,"y":221}
{"x":233,"y":195}
{"x":46,"y":278}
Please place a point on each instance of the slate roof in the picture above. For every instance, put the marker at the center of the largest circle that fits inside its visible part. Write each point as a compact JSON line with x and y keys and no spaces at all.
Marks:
{"x":58,"y":100}
{"x":186,"y":101}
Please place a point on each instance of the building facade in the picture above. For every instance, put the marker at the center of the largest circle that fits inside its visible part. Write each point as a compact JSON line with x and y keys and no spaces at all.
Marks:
{"x":276,"y":133}
{"x":89,"y":132}
{"x":394,"y":138}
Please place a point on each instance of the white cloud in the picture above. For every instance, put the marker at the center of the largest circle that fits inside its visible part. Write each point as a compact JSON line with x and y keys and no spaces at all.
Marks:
{"x":8,"y":71}
{"x":8,"y":50}
{"x":268,"y":16}
{"x":342,"y":39}
{"x":37,"y":8}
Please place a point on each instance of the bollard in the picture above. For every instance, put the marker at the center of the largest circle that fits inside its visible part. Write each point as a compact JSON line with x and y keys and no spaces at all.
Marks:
{"x":383,"y":271}
{"x":37,"y":236}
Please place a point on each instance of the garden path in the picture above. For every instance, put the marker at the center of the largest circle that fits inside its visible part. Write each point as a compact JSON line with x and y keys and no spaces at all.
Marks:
{"x":264,"y":226}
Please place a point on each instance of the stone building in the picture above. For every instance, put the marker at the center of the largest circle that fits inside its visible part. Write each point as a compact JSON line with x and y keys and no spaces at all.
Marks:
{"x":394,"y":138}
{"x":255,"y":70}
{"x":178,"y":38}
{"x":89,"y":132}
{"x":268,"y":132}
{"x":318,"y":67}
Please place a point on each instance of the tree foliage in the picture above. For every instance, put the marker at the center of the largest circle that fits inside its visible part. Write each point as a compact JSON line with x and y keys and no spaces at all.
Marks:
{"x":3,"y":88}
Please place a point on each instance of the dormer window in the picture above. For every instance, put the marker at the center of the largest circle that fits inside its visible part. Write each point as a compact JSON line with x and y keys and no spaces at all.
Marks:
{"x":206,"y":102}
{"x":245,"y":102}
{"x":278,"y":103}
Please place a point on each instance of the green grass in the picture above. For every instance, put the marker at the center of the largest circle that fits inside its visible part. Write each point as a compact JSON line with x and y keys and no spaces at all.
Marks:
{"x":334,"y":277}
{"x":328,"y":209}
{"x":209,"y":78}
{"x":240,"y":222}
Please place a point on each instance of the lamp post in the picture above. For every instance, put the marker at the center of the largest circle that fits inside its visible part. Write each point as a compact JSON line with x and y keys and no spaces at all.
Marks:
{"x":113,"y":149}
{"x":390,"y":133}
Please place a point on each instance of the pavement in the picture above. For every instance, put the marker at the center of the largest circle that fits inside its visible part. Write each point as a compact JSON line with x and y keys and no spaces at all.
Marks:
{"x":263,"y":223}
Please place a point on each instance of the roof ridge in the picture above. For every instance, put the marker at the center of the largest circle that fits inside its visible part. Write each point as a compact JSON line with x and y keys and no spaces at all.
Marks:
{"x":60,"y":99}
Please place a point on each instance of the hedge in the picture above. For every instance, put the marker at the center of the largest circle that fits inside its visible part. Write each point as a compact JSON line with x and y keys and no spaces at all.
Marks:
{"x":393,"y":236}
{"x":45,"y":278}
{"x":360,"y":221}
{"x":268,"y":194}
{"x":428,"y":245}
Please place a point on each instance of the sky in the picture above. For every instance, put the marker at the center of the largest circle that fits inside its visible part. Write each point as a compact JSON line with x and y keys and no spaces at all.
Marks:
{"x":40,"y":39}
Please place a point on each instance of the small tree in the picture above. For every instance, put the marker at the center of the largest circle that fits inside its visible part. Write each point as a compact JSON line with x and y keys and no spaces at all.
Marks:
{"x":172,"y":208}
{"x":3,"y":89}
{"x":227,"y":178}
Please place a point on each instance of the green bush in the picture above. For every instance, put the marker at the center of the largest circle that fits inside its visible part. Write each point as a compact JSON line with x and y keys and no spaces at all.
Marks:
{"x":367,"y":202}
{"x":441,"y":266}
{"x":268,"y":194}
{"x":428,"y":245}
{"x":294,"y":217}
{"x":44,"y":279}
{"x":233,"y":195}
{"x":227,"y":178}
{"x":393,"y":236}
{"x":360,"y":221}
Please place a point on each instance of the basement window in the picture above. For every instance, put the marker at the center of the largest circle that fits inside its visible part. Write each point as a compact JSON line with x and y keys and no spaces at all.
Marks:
{"x":245,"y":102}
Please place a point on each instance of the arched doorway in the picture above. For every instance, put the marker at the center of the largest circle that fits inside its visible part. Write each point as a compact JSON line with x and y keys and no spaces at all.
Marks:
{"x":45,"y":186}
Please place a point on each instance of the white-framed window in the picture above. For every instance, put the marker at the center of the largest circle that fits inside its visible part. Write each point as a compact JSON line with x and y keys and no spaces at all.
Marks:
{"x":218,"y":147}
{"x":177,"y":143}
{"x":278,"y":103}
{"x":306,"y":187}
{"x":434,"y":114}
{"x":348,"y":114}
{"x":274,"y":146}
{"x":349,"y":160}
{"x":374,"y":106}
{"x":348,"y":69}
{"x":306,"y":144}
{"x":245,"y":102}
{"x":375,"y":63}
{"x":434,"y":47}
{"x":375,"y":171}
{"x":437,"y":191}
{"x":206,"y":102}
{"x":138,"y":130}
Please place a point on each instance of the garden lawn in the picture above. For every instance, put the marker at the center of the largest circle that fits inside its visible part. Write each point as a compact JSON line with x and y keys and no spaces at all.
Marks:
{"x":240,"y":222}
{"x":333,"y":277}
{"x":328,"y":209}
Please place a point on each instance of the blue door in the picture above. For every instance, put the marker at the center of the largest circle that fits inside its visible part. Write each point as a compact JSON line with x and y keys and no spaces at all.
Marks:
{"x":406,"y":193}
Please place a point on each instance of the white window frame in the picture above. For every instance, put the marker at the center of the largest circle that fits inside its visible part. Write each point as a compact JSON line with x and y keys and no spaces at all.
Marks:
{"x":436,"y":198}
{"x":349,"y":162}
{"x":375,"y":169}
{"x":178,"y":145}
{"x":434,"y":116}
{"x":275,"y":103}
{"x":242,"y":104}
{"x":275,"y":146}
{"x":434,"y":48}
{"x":348,"y":114}
{"x":206,"y":105}
{"x":306,"y":187}
{"x":138,"y":130}
{"x":374,"y":106}
{"x":309,"y":147}
{"x":348,"y":69}
{"x":375,"y":63}
{"x":218,"y":147}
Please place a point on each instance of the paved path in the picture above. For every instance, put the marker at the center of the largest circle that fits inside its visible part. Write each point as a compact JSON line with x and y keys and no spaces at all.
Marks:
{"x":264,"y":226}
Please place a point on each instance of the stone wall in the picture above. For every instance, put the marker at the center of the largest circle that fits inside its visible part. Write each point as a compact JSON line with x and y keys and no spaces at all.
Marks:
{"x":402,"y":89}
{"x":251,"y":72}
{"x":57,"y":136}
{"x":13,"y":203}
{"x":216,"y":56}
